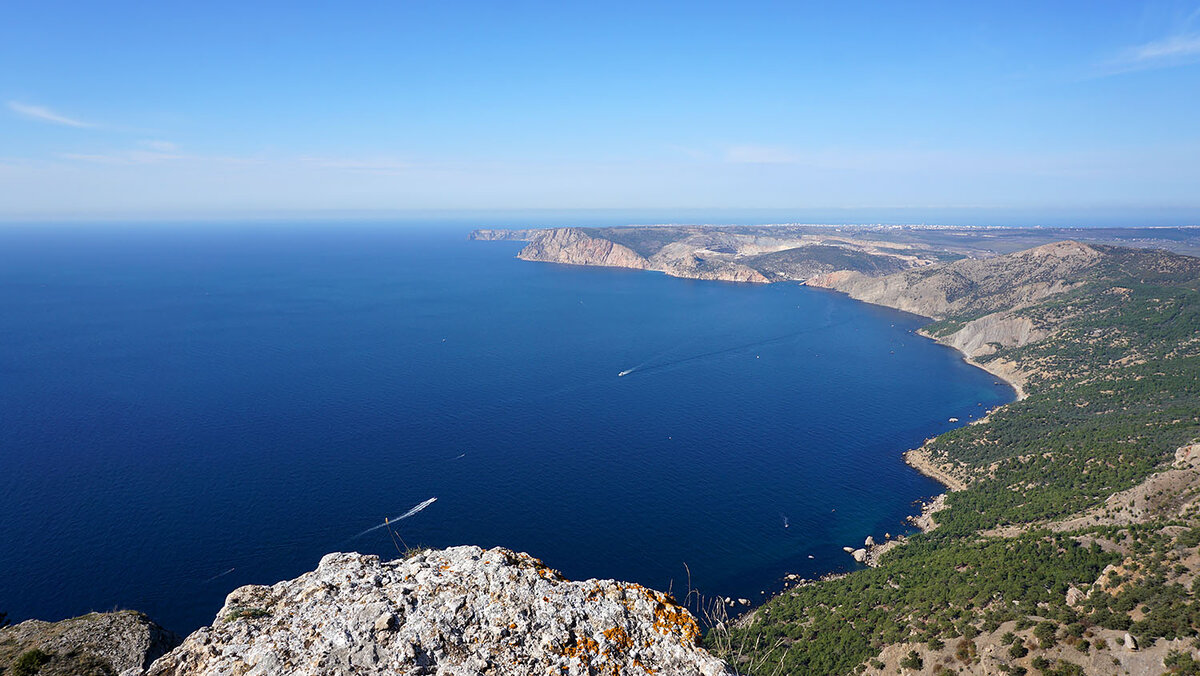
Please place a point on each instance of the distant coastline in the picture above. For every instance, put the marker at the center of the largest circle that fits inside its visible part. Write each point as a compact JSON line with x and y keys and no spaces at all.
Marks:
{"x":837,"y":258}
{"x":702,"y":253}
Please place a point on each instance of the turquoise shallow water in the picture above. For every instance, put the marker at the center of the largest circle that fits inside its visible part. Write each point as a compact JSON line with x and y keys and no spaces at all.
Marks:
{"x":189,"y":409}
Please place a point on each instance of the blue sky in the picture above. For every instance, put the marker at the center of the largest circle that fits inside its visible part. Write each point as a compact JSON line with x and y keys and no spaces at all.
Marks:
{"x":196,"y":109}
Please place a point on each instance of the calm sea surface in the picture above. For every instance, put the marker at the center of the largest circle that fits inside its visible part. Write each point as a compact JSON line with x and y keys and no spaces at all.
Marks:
{"x":187,"y":409}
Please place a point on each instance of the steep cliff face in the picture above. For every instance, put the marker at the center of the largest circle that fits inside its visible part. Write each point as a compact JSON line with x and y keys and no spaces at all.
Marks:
{"x":985,"y":335}
{"x":97,"y":643}
{"x":756,"y":255}
{"x":573,"y":246}
{"x":983,"y":298}
{"x":972,"y":286}
{"x":460,"y":611}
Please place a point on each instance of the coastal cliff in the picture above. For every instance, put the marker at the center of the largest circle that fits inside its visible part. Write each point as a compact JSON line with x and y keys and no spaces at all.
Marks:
{"x":733,"y":255}
{"x":573,"y":246}
{"x":985,"y":298}
{"x":1003,"y":283}
{"x":462,"y":610}
{"x":777,"y":253}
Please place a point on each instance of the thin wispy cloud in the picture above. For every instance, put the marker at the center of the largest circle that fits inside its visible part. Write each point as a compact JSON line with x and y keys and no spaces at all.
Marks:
{"x":1174,"y":47}
{"x":44,"y":114}
{"x":1181,"y":49}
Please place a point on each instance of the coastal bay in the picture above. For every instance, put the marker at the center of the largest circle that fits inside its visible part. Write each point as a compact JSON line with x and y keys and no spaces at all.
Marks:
{"x":344,"y":378}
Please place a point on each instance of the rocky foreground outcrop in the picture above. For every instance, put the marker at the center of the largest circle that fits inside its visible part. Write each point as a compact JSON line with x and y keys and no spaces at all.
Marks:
{"x":124,"y":642}
{"x":458,"y":611}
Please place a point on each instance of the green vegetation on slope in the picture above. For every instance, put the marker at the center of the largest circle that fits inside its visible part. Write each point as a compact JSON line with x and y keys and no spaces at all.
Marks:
{"x":1114,"y":391}
{"x":929,"y":590}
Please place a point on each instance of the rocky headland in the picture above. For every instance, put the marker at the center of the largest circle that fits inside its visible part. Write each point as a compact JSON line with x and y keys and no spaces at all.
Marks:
{"x":731,"y":254}
{"x":775,"y":253}
{"x":459,"y":611}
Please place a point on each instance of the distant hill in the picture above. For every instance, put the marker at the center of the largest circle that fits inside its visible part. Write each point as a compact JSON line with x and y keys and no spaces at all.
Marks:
{"x":791,"y":252}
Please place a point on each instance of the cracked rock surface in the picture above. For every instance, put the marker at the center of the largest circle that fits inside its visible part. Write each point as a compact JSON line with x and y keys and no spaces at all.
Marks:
{"x":458,"y":611}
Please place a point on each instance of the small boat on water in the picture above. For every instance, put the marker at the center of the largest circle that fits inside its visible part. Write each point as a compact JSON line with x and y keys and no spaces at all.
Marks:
{"x":624,"y":373}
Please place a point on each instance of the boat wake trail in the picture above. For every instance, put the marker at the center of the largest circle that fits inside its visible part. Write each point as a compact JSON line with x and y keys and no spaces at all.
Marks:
{"x":644,"y":368}
{"x":220,"y":575}
{"x":402,"y":517}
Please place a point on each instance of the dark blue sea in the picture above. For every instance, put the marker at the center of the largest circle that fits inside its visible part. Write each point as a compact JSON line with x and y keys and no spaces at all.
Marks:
{"x":188,"y":409}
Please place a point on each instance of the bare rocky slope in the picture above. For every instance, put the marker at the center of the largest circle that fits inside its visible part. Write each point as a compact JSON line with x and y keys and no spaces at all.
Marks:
{"x":984,"y":296}
{"x":773,"y":253}
{"x":573,"y":246}
{"x":972,"y":286}
{"x":756,"y":255}
{"x":97,"y":644}
{"x":458,"y":611}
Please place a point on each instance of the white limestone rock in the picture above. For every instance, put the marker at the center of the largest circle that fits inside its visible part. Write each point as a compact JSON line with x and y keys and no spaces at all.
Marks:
{"x":457,"y":611}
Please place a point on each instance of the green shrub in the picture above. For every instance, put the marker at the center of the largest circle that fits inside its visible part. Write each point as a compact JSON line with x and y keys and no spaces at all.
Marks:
{"x":1044,"y":632}
{"x":1179,"y":662}
{"x":238,"y":612}
{"x":30,"y":662}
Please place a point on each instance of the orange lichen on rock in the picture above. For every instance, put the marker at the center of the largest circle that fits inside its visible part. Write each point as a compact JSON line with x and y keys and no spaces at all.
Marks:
{"x":670,"y":618}
{"x":619,"y":639}
{"x":583,"y":648}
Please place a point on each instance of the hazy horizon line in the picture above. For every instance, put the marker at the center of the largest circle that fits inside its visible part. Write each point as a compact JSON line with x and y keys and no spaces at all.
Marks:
{"x":911,"y":216}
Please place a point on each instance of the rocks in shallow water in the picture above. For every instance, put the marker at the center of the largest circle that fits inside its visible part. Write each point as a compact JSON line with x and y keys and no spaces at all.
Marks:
{"x":869,"y":542}
{"x":462,"y":610}
{"x":94,"y":643}
{"x":859,"y":555}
